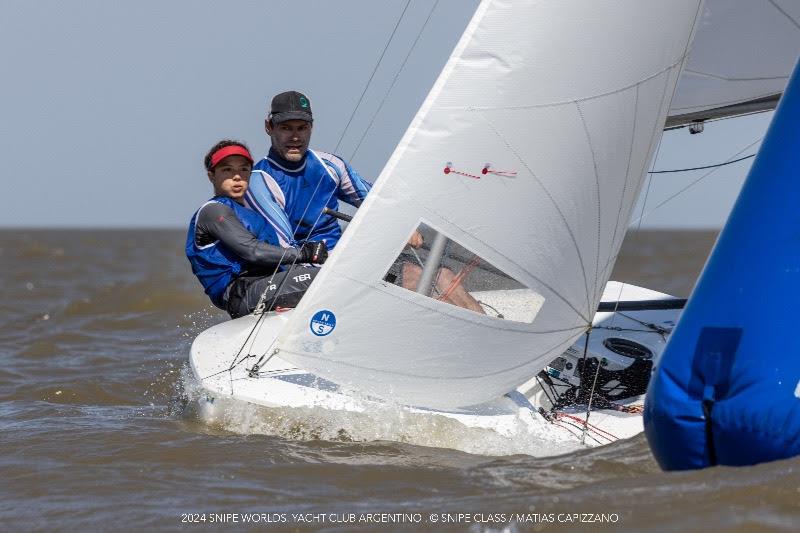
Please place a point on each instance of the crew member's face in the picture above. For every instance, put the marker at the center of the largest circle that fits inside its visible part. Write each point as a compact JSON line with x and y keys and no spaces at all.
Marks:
{"x":231,"y":176}
{"x":290,"y":139}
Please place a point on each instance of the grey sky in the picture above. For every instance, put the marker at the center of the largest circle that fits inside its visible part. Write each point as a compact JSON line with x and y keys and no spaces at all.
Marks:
{"x":108,"y":107}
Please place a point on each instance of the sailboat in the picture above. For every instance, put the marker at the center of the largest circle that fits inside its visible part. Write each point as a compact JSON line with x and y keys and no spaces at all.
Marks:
{"x":521,"y":169}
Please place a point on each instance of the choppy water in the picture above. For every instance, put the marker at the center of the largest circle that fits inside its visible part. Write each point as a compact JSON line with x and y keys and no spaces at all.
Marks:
{"x":94,"y":337}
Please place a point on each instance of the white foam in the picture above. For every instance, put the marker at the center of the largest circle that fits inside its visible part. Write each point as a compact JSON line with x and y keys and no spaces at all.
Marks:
{"x":531,"y":435}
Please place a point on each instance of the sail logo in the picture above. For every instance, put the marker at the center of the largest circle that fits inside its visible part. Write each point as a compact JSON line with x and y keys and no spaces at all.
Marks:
{"x":322,"y":323}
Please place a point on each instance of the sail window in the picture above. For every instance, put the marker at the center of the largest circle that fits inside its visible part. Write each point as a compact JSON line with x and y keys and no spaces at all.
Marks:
{"x":438,"y":267}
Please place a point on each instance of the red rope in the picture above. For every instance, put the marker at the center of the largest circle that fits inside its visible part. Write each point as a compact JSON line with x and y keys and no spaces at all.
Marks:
{"x":464,"y":272}
{"x":503,"y":173}
{"x":485,"y":170}
{"x":596,"y":429}
{"x":448,"y":170}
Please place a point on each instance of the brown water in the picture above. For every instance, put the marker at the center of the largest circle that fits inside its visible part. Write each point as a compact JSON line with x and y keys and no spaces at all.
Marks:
{"x":95,"y":333}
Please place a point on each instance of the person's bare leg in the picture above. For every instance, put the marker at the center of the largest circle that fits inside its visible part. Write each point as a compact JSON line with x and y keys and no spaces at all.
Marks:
{"x":411,"y":275}
{"x":456,"y":294}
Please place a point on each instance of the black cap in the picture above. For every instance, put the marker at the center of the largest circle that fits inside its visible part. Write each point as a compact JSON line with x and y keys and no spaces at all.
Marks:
{"x":290,"y":105}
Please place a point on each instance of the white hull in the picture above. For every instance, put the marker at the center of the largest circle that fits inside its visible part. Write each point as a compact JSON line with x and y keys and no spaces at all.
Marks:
{"x":280,"y":387}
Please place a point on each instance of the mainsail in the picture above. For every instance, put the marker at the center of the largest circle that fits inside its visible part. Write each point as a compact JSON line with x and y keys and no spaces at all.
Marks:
{"x":567,"y":99}
{"x":740,"y":59}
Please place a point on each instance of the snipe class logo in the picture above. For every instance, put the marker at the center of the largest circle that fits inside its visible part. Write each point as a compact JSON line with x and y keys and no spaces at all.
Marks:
{"x":322,"y":323}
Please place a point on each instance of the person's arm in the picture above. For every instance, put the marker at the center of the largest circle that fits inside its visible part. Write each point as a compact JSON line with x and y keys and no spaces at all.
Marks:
{"x":352,"y":188}
{"x":357,"y":190}
{"x":218,"y":222}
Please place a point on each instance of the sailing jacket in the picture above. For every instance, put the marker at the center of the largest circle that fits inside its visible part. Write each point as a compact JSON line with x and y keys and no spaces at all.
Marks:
{"x":224,"y":240}
{"x":291,"y":196}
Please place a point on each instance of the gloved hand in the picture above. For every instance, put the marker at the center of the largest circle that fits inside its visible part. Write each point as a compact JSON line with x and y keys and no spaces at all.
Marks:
{"x":313,"y":252}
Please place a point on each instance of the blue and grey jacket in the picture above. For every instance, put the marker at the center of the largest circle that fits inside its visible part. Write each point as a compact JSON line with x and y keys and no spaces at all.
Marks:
{"x":291,"y":196}
{"x":226,"y":239}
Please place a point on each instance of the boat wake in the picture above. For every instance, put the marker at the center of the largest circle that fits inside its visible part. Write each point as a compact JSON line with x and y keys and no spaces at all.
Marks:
{"x":528,"y":434}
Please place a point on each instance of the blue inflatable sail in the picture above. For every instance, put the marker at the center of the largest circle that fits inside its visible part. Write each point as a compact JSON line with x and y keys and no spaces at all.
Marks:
{"x":727,"y":388}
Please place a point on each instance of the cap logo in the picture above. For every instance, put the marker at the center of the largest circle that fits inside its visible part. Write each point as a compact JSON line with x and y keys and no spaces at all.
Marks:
{"x":303,"y":102}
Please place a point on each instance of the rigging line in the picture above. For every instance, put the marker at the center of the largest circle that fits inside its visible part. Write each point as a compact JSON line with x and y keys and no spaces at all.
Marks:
{"x":579,"y":427}
{"x":235,"y":362}
{"x":458,"y":278}
{"x":484,"y":304}
{"x":203,"y":378}
{"x":596,"y":429}
{"x":663,"y":95}
{"x":369,"y":81}
{"x":270,"y":349}
{"x":649,"y":183}
{"x":416,"y":255}
{"x":627,"y":177}
{"x":297,"y":227}
{"x":720,"y":77}
{"x":702,"y":168}
{"x":589,"y":406}
{"x":258,"y":364}
{"x":692,"y":184}
{"x":656,"y":131}
{"x":585,"y":358}
{"x":260,"y":320}
{"x":616,"y":305}
{"x":294,"y":261}
{"x":545,"y":388}
{"x":261,"y":306}
{"x":632,"y":330}
{"x":599,"y":207}
{"x":563,"y":220}
{"x":658,"y":151}
{"x":784,"y":13}
{"x":655,"y":328}
{"x":567,"y":424}
{"x":236,"y":359}
{"x":394,"y":81}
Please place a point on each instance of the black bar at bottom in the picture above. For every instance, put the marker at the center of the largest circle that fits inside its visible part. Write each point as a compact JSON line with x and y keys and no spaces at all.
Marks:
{"x":642,"y":305}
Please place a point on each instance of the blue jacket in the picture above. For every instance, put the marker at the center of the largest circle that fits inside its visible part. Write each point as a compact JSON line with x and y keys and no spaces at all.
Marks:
{"x":292,"y":197}
{"x":214,"y":264}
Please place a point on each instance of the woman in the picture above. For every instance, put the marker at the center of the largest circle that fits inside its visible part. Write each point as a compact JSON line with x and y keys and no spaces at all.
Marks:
{"x":235,"y":253}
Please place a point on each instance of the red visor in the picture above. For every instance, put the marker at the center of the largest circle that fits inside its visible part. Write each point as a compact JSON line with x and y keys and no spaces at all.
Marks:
{"x":222,"y":153}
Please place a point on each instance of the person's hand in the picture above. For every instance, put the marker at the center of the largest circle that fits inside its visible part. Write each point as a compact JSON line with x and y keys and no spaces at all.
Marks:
{"x":416,"y":240}
{"x":313,"y":252}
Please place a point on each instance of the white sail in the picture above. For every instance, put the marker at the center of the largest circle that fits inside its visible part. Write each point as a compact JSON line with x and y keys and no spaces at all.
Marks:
{"x":740,"y":61}
{"x":567,"y":99}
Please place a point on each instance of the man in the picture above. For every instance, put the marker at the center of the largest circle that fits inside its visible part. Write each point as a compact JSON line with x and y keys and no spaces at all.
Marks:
{"x":303,"y":183}
{"x":234,"y":252}
{"x":300,"y":181}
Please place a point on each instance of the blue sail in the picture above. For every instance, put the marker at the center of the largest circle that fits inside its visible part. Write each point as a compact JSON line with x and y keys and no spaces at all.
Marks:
{"x":727,"y":388}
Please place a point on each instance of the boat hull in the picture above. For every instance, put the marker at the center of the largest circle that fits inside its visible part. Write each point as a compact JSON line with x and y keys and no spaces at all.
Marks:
{"x":236,"y":361}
